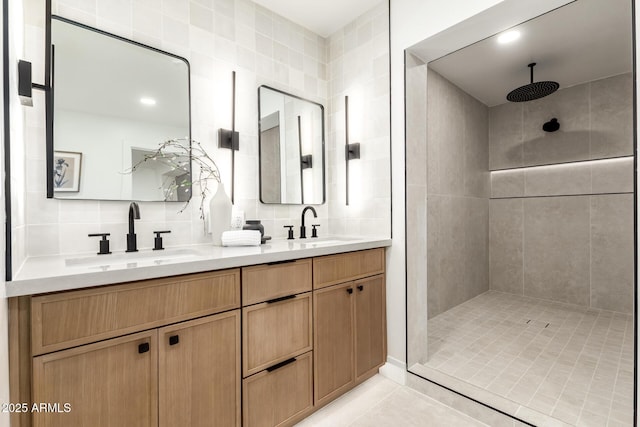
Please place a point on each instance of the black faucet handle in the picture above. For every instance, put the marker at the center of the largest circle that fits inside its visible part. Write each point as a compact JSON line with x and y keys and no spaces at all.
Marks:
{"x":157,"y":242}
{"x":290,"y":232}
{"x":104,"y":242}
{"x":314,"y":231}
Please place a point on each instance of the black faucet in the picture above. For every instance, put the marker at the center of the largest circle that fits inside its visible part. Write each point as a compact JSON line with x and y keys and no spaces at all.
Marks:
{"x":134,"y":213}
{"x":303,"y":230}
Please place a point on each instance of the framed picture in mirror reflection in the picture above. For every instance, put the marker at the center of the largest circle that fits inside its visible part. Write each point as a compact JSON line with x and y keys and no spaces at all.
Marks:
{"x":67,"y":166}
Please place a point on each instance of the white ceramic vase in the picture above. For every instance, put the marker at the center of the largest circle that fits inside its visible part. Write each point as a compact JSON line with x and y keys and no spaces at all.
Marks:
{"x":219,"y":214}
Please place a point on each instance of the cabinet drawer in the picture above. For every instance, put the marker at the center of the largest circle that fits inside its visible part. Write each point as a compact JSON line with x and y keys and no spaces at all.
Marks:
{"x":274,"y":332}
{"x":280,"y":396}
{"x":68,"y":319}
{"x":265,"y":282}
{"x":333,"y":269}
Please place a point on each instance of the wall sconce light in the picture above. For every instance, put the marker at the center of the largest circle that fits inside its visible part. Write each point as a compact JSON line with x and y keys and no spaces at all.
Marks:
{"x":230,"y":139}
{"x":351,"y":150}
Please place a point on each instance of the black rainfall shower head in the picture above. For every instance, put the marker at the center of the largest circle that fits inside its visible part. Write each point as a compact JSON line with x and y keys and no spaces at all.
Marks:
{"x":532,"y":90}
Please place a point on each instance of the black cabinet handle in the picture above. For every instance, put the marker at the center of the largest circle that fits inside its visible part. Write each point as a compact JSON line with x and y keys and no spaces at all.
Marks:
{"x":360,"y":288}
{"x":349,"y":291}
{"x":143,"y":348}
{"x":174,"y":339}
{"x":271,"y":301}
{"x":281,"y":364}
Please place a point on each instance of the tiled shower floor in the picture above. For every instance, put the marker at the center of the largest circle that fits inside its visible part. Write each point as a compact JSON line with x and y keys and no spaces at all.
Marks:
{"x":572,"y":363}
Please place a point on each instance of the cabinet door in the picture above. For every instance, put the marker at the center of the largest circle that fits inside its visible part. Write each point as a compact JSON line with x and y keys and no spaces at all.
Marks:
{"x":111,"y":383}
{"x":199,"y":372}
{"x":333,"y":341}
{"x":370,"y":331}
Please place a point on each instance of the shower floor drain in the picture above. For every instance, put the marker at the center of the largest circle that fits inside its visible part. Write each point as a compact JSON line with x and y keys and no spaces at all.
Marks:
{"x":537,"y":323}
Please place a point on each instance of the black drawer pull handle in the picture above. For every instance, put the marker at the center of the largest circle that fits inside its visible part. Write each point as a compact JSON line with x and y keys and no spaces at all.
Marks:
{"x":143,"y":348}
{"x":349,"y":291}
{"x":360,"y":288}
{"x":281,"y":262}
{"x":271,"y":301}
{"x":281,"y":364}
{"x":174,"y":339}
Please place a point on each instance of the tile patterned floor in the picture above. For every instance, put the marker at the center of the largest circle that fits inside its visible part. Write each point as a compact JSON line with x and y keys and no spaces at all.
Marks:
{"x":380,"y":402}
{"x":572,"y":363}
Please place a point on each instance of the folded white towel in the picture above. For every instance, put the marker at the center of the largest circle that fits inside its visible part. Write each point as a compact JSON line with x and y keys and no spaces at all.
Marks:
{"x":241,"y":238}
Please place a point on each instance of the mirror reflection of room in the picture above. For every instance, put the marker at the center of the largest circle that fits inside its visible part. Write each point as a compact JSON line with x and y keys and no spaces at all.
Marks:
{"x":115,"y":102}
{"x":291,"y":144}
{"x":529,"y":207}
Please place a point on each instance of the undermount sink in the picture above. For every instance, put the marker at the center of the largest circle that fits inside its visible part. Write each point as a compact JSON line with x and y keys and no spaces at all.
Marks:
{"x":328,"y":241}
{"x":131,"y":257}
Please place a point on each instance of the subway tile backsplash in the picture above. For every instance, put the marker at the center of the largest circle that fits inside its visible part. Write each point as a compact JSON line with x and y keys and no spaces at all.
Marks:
{"x":219,"y":36}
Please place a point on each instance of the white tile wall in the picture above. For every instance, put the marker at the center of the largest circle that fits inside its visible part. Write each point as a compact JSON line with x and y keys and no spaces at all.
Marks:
{"x":359,"y":68}
{"x":217,"y":37}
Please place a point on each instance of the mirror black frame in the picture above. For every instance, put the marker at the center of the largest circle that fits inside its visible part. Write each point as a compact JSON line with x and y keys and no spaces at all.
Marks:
{"x":49,"y":89}
{"x":324,"y":171}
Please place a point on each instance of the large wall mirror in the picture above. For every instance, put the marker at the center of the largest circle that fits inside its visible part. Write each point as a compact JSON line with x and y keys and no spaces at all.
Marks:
{"x":520,"y":281}
{"x":115,"y":102}
{"x":291,"y":148}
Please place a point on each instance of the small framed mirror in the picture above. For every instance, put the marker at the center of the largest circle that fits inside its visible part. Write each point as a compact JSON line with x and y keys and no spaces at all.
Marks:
{"x":115,"y":102}
{"x":291,"y":143}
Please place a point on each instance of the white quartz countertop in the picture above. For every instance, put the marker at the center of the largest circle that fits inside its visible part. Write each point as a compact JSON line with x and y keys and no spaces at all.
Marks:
{"x":64,"y":272}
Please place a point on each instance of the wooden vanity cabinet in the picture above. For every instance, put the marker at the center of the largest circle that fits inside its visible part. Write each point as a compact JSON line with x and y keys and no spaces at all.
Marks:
{"x":184,"y":370}
{"x":277,"y":333}
{"x":349,"y":323}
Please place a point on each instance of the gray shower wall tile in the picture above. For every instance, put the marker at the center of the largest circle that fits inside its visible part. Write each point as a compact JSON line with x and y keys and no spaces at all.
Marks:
{"x":434,"y":121}
{"x":507,"y":183}
{"x":452,"y":258}
{"x":416,"y":125}
{"x":434,"y":255}
{"x":612,"y":117}
{"x":556,"y":248}
{"x":595,"y":122}
{"x":612,"y":176}
{"x":612,"y":252}
{"x":571,"y":142}
{"x":506,"y":233}
{"x":476,"y":247}
{"x":565,"y":179}
{"x":450,"y":136}
{"x":505,"y":136}
{"x":476,"y":153}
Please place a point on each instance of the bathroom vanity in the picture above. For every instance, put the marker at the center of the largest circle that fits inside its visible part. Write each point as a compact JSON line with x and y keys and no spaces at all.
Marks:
{"x":258,"y":344}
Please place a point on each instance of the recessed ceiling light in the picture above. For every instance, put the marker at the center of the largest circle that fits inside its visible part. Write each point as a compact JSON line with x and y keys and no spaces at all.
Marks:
{"x":508,"y":37}
{"x":147,"y":101}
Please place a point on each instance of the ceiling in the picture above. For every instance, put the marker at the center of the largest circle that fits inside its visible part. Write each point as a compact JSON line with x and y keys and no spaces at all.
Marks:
{"x":582,"y":41}
{"x":322,"y":17}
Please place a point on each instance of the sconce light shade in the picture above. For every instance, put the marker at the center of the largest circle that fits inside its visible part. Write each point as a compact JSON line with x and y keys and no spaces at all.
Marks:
{"x":352,"y":151}
{"x":24,"y":83}
{"x":306,"y":162}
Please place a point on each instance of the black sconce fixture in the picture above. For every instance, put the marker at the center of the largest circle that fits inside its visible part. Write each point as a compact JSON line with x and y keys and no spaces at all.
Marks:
{"x":306,"y":162}
{"x":351,"y":150}
{"x":230,"y":139}
{"x":551,"y":126}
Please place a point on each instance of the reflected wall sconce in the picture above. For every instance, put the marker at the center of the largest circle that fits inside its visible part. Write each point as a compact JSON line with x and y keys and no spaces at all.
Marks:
{"x":351,"y":150}
{"x":230,"y":139}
